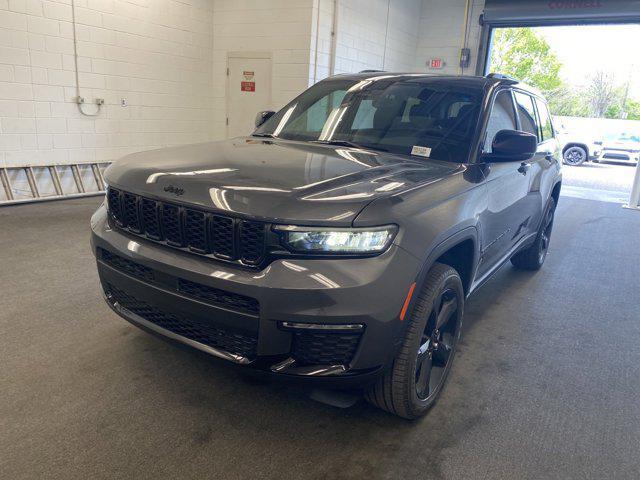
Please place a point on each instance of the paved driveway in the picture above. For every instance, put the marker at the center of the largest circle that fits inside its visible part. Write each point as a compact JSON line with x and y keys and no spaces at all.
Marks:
{"x":598,"y":181}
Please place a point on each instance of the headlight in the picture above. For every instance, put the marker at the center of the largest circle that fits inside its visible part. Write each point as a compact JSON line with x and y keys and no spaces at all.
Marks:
{"x":346,"y":241}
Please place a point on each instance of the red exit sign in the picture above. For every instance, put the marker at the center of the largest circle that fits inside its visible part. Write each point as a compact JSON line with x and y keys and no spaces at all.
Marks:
{"x":435,"y":63}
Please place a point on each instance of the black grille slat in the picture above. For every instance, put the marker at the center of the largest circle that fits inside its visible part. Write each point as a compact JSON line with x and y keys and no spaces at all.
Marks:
{"x":172,"y":224}
{"x":127,"y":266}
{"x":220,"y":298}
{"x":222,"y":234}
{"x":251,"y":241}
{"x":197,"y":231}
{"x":186,"y":326}
{"x":130,"y":211}
{"x":311,"y":348}
{"x":151,"y":218}
{"x":114,"y":204}
{"x":212,"y":296}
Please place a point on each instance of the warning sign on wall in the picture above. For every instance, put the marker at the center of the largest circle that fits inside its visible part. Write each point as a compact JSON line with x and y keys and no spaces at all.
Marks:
{"x":248,"y":86}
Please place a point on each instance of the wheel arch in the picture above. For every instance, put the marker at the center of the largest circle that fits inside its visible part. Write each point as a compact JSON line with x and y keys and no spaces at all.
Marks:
{"x":460,"y":251}
{"x":555,"y":192}
{"x":576,"y":144}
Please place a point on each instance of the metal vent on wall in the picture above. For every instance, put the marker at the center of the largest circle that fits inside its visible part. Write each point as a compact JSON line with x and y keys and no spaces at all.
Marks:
{"x":49,"y":182}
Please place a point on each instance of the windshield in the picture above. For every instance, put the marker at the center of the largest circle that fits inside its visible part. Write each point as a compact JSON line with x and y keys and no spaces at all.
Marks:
{"x":384,"y":113}
{"x":623,"y":137}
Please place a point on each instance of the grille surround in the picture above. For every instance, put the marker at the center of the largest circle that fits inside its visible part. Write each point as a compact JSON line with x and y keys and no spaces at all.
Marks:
{"x":194,"y":230}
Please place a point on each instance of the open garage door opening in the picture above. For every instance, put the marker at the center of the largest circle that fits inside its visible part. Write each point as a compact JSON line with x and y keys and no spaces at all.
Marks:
{"x":593,"y":88}
{"x":586,"y":70}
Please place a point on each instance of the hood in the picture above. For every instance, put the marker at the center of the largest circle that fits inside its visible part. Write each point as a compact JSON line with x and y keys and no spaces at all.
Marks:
{"x":627,"y":145}
{"x":274,"y":180}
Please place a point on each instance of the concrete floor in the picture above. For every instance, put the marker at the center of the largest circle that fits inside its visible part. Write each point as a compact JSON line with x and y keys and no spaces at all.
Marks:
{"x":546,"y":384}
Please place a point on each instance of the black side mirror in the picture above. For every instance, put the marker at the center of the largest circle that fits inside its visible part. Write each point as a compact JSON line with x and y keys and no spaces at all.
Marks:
{"x":262,"y":117}
{"x":512,"y":146}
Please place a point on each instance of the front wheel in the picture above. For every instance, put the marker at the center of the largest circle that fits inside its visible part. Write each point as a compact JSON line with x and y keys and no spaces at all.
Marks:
{"x":418,"y":374}
{"x":574,"y":156}
{"x":533,"y":257}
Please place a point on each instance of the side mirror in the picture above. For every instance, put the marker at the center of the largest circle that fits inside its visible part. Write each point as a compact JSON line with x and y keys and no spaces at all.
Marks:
{"x":512,"y":146}
{"x":262,"y":117}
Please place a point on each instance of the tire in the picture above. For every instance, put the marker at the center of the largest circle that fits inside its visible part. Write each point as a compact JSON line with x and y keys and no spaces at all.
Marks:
{"x":427,"y":352}
{"x":533,"y":257}
{"x":574,"y":156}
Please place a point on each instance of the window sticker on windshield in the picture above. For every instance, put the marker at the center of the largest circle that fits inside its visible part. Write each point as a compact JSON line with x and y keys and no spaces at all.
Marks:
{"x":421,"y":151}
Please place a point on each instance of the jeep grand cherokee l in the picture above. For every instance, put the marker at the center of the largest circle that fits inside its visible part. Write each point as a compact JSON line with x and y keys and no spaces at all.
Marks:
{"x":339,"y":241}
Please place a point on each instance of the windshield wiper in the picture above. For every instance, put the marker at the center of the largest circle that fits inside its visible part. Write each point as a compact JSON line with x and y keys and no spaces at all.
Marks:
{"x":346,"y":143}
{"x":264,"y":135}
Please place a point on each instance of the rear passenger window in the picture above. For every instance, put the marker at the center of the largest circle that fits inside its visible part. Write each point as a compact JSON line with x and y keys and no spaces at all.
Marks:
{"x":502,"y":118}
{"x":527,"y":114}
{"x":546,"y":126}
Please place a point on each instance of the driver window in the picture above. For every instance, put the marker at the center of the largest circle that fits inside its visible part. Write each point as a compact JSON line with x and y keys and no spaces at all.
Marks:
{"x":502,"y":117}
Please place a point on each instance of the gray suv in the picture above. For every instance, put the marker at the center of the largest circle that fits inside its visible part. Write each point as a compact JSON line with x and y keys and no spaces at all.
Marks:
{"x":338,"y":243}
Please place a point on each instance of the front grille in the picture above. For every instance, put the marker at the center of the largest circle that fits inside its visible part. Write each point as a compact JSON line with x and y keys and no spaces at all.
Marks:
{"x":188,"y":327}
{"x":190,"y":229}
{"x":311,"y":348}
{"x":212,"y":296}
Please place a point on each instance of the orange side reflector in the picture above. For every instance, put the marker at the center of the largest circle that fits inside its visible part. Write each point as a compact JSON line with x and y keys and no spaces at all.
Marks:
{"x":407,"y":300}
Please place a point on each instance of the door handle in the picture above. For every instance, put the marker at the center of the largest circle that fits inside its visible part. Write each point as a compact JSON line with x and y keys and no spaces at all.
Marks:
{"x":524,"y":167}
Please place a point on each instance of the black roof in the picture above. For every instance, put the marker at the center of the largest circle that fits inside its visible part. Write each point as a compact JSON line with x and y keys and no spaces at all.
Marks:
{"x":469,"y":81}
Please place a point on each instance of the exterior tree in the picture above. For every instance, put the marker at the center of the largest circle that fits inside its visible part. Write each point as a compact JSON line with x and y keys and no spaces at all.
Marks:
{"x":601,"y":93}
{"x":525,"y":55}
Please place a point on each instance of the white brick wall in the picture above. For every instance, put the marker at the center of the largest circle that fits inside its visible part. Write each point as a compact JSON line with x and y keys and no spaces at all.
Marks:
{"x":168,"y":59}
{"x":377,"y":34}
{"x":281,"y":27}
{"x":154,"y":53}
{"x":441,"y":30}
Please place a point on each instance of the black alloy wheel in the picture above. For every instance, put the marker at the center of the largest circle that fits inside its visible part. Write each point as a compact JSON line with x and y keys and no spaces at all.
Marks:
{"x":437,"y":344}
{"x":575,"y":156}
{"x":417,"y":376}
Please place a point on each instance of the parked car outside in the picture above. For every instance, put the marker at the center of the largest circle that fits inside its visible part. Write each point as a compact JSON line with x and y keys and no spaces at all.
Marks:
{"x":624,"y":147}
{"x":578,"y":148}
{"x":339,"y":242}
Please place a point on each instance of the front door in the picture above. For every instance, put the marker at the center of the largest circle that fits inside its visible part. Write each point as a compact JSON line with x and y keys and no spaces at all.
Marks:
{"x":248,"y":92}
{"x":506,"y":219}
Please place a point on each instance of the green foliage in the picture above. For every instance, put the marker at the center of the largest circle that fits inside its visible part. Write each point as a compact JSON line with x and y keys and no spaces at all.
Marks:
{"x":526,"y":55}
{"x":568,"y":102}
{"x":633,"y":110}
{"x":522,"y":53}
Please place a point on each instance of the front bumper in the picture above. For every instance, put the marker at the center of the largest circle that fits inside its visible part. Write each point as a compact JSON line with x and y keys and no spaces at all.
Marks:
{"x":238,"y":313}
{"x":615,"y":155}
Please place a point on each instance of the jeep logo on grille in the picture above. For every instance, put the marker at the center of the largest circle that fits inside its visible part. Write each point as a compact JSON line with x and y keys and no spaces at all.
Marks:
{"x":177,"y":191}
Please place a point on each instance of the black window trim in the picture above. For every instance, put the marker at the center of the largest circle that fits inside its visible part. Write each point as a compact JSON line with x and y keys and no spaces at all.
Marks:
{"x":535,"y":110}
{"x":553,"y":130}
{"x":494,"y":96}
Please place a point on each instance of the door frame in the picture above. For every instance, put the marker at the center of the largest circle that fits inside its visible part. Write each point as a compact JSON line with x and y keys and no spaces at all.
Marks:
{"x":262,"y":55}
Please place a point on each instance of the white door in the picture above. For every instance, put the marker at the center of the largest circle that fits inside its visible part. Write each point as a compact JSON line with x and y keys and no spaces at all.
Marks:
{"x":248,"y":92}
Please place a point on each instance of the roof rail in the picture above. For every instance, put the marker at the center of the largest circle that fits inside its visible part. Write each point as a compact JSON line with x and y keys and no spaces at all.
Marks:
{"x":502,"y":76}
{"x":372,"y":71}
